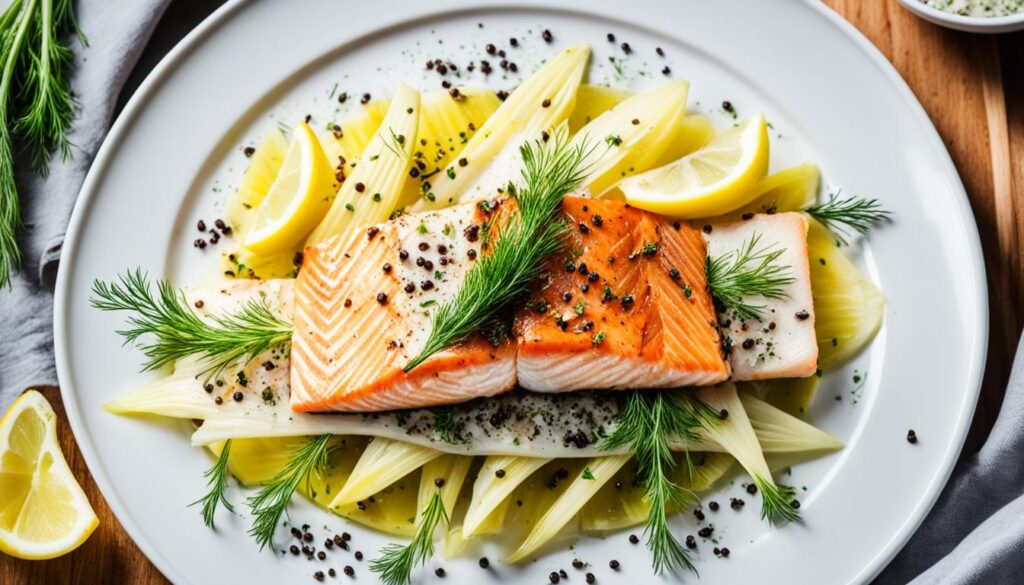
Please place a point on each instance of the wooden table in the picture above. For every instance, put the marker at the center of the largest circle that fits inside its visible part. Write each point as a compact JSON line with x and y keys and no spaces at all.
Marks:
{"x":972,"y":87}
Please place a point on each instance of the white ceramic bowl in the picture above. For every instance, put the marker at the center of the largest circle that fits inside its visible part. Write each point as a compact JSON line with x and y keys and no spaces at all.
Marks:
{"x":976,"y":24}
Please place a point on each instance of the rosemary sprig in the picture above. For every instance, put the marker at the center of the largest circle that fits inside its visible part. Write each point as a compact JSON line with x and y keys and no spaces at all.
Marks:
{"x":270,"y":503}
{"x":396,"y":562}
{"x":844,"y":217}
{"x":550,"y":170}
{"x":35,"y":102}
{"x":648,"y":422}
{"x":217,"y":483}
{"x":748,"y":271}
{"x":225,"y":340}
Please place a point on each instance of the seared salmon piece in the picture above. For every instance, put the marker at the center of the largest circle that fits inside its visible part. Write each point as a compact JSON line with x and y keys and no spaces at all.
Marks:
{"x":781,"y":344}
{"x":624,"y":306}
{"x":363,"y":304}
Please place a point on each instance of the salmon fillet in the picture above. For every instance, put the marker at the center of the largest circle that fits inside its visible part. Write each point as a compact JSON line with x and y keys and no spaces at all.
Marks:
{"x":363,"y":303}
{"x":782,"y":344}
{"x":625,"y":306}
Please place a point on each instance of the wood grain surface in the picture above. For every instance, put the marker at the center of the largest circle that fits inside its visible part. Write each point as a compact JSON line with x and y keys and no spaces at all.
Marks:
{"x":972,"y":87}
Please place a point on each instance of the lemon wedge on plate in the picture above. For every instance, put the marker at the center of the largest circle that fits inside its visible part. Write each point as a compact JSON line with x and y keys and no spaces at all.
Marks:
{"x":43,"y":511}
{"x":298,"y":199}
{"x":711,"y":181}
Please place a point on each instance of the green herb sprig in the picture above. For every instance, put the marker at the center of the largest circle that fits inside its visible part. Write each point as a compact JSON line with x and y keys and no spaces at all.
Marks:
{"x":36,"y":104}
{"x":550,"y":170}
{"x":845,"y":217}
{"x":227,"y":339}
{"x":217,"y":483}
{"x":396,"y":562}
{"x":270,"y":503}
{"x":746,"y":272}
{"x":776,"y":501}
{"x":647,"y":424}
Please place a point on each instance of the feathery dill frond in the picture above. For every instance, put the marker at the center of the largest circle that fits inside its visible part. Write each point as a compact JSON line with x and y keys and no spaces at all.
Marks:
{"x":270,"y":503}
{"x":217,"y":482}
{"x":550,"y":170}
{"x":776,"y":501}
{"x":179,"y":332}
{"x":844,"y":217}
{"x":36,"y":103}
{"x":396,"y":563}
{"x":747,"y":272}
{"x":647,"y":424}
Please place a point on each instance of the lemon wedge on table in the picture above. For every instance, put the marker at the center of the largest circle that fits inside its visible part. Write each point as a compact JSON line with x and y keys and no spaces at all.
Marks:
{"x":298,"y":198}
{"x":711,"y":181}
{"x":43,"y":511}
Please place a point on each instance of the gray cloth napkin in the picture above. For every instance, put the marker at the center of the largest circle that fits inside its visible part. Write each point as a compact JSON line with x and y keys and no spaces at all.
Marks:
{"x":117,"y":33}
{"x":973,"y":536}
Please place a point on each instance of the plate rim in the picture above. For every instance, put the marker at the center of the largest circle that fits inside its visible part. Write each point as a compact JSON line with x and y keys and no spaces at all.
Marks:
{"x":165,"y":68}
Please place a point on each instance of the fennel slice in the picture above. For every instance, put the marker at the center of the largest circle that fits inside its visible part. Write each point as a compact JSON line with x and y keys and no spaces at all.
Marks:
{"x":596,"y":473}
{"x":383,"y":462}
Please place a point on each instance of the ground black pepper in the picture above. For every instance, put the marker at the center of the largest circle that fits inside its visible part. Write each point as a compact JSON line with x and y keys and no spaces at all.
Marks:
{"x":713,"y":506}
{"x":238,"y":396}
{"x":614,"y":564}
{"x":547,"y":36}
{"x":751,"y":489}
{"x":484,"y":563}
{"x":382,"y":298}
{"x":911,"y":437}
{"x":554,"y":577}
{"x":633,"y":539}
{"x":705,"y":532}
{"x":349,"y":570}
{"x":439,"y":572}
{"x":591,"y":578}
{"x":691,"y":542}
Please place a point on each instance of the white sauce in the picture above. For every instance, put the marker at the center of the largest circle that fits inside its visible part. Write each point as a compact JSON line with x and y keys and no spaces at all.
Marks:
{"x":982,"y":8}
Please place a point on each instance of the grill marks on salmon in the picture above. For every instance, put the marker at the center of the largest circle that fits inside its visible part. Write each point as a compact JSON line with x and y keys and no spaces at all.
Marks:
{"x":363,"y":302}
{"x":624,"y":307}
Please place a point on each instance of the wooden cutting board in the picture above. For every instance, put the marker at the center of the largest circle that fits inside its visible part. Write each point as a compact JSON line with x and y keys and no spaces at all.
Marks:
{"x":973,"y":89}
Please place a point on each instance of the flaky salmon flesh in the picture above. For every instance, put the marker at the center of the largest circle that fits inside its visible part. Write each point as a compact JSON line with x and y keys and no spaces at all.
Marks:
{"x":624,"y":305}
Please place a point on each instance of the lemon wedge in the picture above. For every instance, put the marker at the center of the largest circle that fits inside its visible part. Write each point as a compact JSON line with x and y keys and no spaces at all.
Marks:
{"x":298,"y":199}
{"x":43,"y":511}
{"x":711,"y":181}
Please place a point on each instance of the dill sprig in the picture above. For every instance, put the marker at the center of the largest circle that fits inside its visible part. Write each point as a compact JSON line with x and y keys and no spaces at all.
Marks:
{"x":224,"y":340}
{"x":36,"y":104}
{"x":746,"y":272}
{"x":395,"y":143}
{"x":447,"y":427}
{"x":844,"y":217}
{"x":217,"y":483}
{"x":648,"y":423}
{"x":550,"y":170}
{"x":396,"y":562}
{"x":776,"y":501}
{"x":270,"y":503}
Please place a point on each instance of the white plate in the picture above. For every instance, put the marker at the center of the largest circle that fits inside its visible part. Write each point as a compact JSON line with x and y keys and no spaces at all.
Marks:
{"x":175,"y":153}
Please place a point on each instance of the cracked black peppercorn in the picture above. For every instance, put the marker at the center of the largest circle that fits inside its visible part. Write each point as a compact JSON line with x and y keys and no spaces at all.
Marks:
{"x":614,"y":564}
{"x":484,"y":563}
